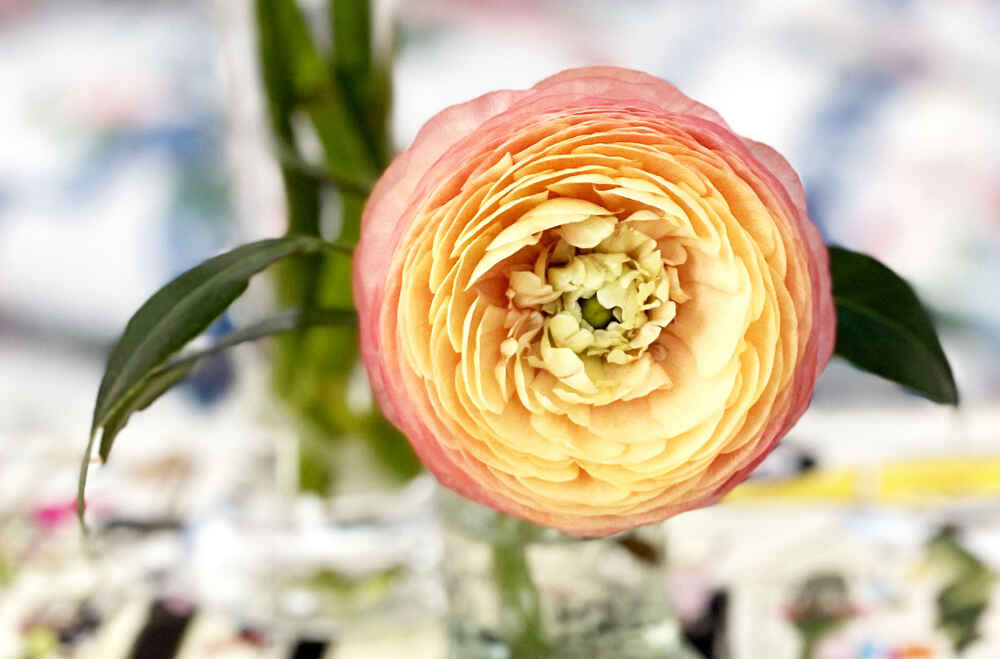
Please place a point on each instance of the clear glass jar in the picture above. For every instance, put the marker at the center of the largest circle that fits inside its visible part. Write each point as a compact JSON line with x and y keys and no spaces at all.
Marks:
{"x":519,"y":591}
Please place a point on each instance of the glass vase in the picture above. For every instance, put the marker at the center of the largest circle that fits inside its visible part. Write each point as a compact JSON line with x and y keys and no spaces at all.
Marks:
{"x":344,"y":536}
{"x":520,"y":591}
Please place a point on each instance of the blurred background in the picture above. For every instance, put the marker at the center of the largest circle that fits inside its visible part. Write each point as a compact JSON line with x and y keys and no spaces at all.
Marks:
{"x":133,"y":144}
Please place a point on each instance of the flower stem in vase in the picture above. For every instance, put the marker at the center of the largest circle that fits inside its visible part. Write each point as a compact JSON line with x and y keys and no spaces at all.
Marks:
{"x":520,"y":603}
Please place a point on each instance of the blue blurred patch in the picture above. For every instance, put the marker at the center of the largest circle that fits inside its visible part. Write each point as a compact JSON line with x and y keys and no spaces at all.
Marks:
{"x":213,"y":378}
{"x":837,"y":136}
{"x":184,"y":144}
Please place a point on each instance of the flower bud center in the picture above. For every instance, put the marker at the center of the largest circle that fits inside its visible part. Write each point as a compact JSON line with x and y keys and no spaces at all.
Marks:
{"x":598,"y":316}
{"x":598,"y":292}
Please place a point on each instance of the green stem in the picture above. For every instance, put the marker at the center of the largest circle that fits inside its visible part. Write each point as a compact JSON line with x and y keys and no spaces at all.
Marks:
{"x":520,"y":604}
{"x":296,"y":279}
{"x":291,"y":160}
{"x":286,"y":321}
{"x":808,"y":646}
{"x":363,"y":74}
{"x":345,"y":94}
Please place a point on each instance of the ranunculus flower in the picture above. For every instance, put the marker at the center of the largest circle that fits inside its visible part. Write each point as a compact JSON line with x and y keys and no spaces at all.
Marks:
{"x":589,"y":304}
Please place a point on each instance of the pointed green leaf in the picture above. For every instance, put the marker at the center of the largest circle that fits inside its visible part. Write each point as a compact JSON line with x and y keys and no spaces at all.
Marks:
{"x":164,"y":324}
{"x":883,"y":328}
{"x":184,"y":308}
{"x":142,"y":397}
{"x":152,"y":387}
{"x":161,"y":378}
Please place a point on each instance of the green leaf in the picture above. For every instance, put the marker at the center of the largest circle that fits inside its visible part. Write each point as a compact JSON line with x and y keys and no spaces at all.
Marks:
{"x":286,"y":321}
{"x":165,"y":323}
{"x":184,"y":308}
{"x":883,"y":328}
{"x":142,"y":396}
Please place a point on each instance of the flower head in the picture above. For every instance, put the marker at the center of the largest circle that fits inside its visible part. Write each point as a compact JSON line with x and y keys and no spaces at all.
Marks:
{"x":590,"y":304}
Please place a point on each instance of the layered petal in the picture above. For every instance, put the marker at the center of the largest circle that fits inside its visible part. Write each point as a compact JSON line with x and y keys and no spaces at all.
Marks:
{"x":590,"y":304}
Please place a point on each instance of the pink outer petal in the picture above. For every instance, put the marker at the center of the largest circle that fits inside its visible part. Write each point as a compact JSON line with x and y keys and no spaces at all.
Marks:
{"x":825,"y":320}
{"x":389,"y":207}
{"x":444,"y":154}
{"x":624,"y":84}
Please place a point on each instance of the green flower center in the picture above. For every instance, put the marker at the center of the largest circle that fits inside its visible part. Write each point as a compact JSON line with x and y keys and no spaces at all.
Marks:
{"x":601,"y":296}
{"x":596,"y":315}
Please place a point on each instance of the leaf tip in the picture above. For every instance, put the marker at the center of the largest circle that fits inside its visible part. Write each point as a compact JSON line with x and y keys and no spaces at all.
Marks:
{"x":950,"y":395}
{"x":884,"y":328}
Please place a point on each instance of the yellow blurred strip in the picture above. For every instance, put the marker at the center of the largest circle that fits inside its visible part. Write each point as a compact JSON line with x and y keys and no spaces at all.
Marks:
{"x":916,"y":481}
{"x":909,"y":482}
{"x":835,"y":486}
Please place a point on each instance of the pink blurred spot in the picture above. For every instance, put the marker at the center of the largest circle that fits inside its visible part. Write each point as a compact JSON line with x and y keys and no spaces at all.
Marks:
{"x":52,"y":516}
